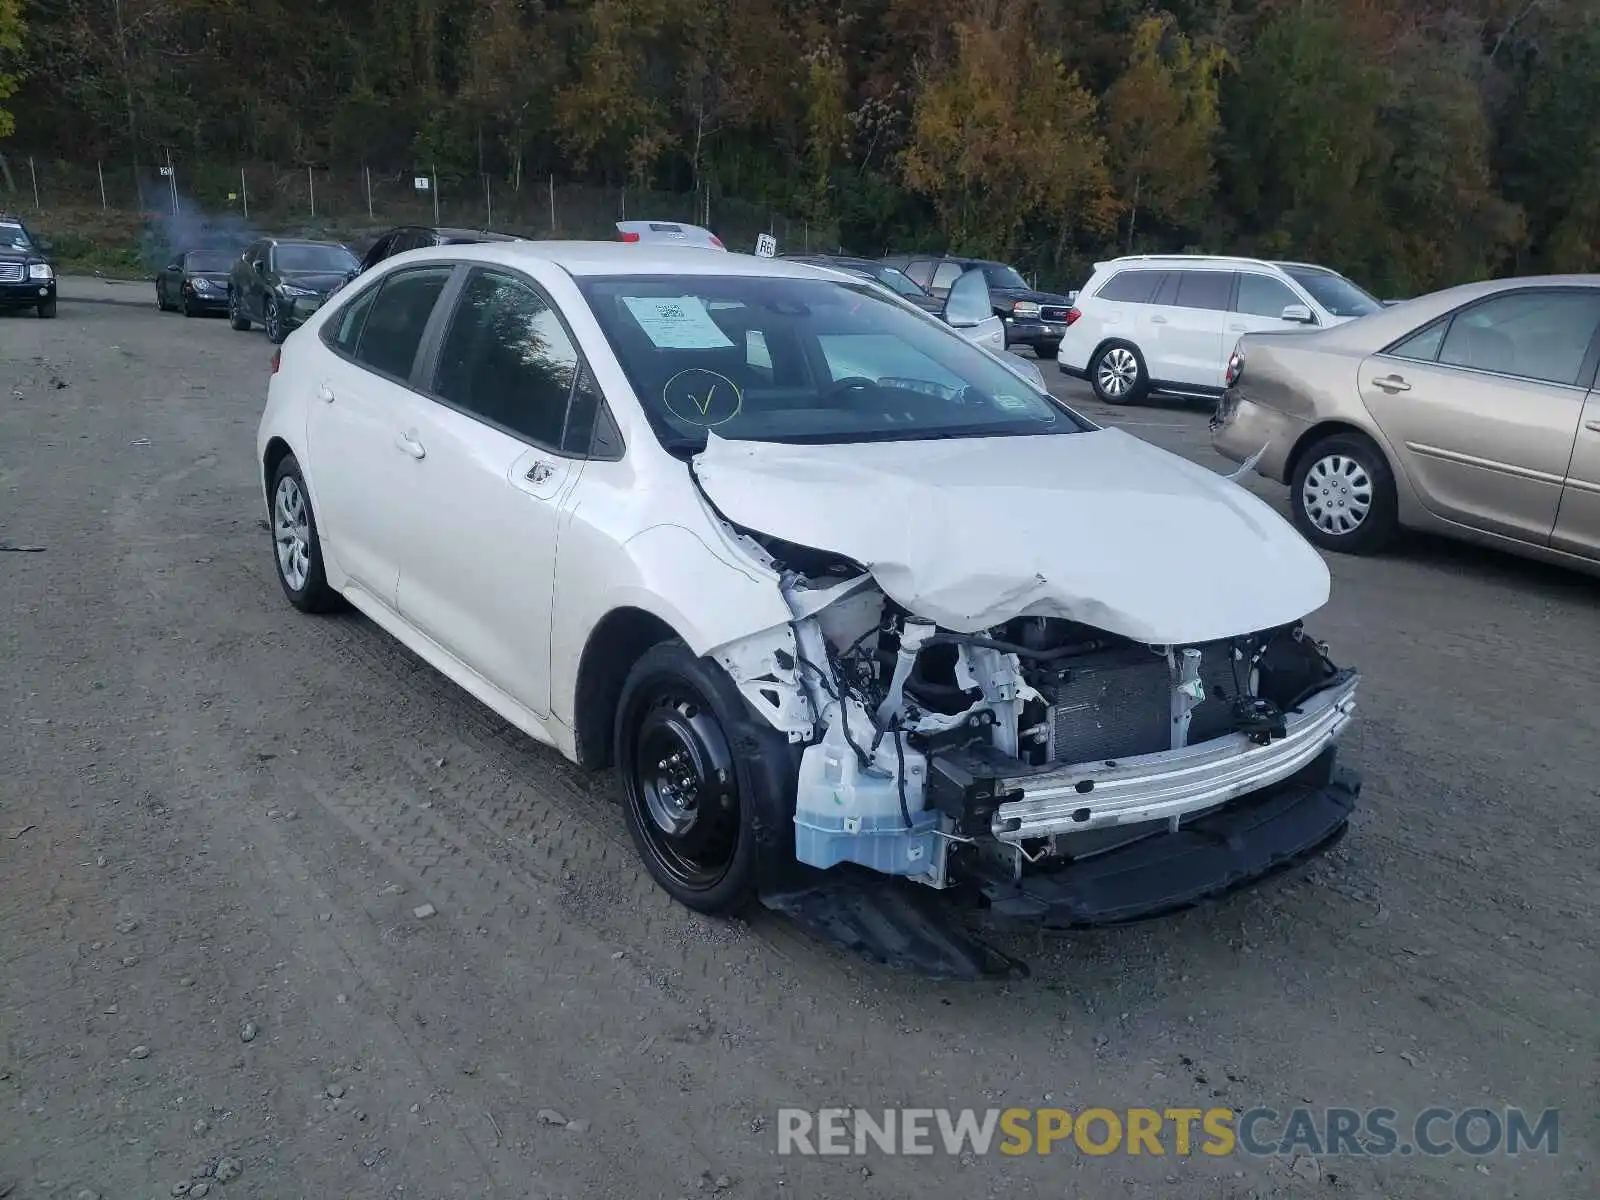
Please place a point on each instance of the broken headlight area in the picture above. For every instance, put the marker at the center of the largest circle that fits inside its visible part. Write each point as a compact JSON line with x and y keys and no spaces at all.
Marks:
{"x":1032,"y":759}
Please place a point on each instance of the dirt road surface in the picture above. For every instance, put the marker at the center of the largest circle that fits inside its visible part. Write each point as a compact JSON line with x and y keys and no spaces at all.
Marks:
{"x":220,"y":821}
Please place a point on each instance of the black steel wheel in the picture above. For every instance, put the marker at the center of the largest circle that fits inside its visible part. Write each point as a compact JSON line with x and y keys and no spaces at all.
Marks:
{"x":681,"y":785}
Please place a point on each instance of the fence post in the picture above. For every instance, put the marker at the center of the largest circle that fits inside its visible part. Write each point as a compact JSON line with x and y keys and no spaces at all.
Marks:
{"x":624,"y":215}
{"x":172,"y":181}
{"x":435,"y":190}
{"x":244,"y":194}
{"x":311,"y":187}
{"x":34,"y":175}
{"x":552,"y":204}
{"x":101,"y":174}
{"x":488,"y":203}
{"x":367,"y":174}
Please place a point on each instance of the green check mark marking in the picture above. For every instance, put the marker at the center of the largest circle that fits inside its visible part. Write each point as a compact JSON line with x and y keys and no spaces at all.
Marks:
{"x":706,"y":407}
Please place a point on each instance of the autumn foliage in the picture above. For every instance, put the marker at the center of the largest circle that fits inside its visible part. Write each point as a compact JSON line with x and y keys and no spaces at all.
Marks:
{"x":1411,"y":143}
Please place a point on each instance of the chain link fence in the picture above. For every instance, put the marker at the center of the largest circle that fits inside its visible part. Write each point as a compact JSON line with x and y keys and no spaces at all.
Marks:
{"x":157,"y":208}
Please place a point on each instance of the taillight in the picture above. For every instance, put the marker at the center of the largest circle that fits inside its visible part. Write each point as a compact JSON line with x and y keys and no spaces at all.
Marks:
{"x":1072,"y":315}
{"x":1235,"y":367}
{"x":717,"y":242}
{"x":277,"y":359}
{"x":630,"y":237}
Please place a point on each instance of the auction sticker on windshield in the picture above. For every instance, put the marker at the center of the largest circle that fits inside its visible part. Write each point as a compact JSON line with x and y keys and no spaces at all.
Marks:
{"x":677,"y":322}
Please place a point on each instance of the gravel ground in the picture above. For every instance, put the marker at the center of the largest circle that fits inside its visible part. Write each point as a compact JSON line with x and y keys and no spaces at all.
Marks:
{"x":284,"y":914}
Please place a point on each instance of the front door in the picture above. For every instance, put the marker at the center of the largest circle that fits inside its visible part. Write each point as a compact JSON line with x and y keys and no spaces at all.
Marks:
{"x":480,"y":577}
{"x":363,"y":473}
{"x":1258,"y":305}
{"x":1578,"y":519}
{"x":1484,"y":406}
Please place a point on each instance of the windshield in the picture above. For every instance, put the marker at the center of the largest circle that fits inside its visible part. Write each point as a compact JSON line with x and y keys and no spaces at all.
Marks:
{"x":15,"y":237}
{"x":314,"y":258}
{"x":1333,"y":291}
{"x":768,"y":359}
{"x":208,"y":260}
{"x":899,"y":281}
{"x":1004,"y":277}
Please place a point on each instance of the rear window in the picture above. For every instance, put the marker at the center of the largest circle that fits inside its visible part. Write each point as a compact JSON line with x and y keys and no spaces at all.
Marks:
{"x":210,"y":261}
{"x":1130,"y":287}
{"x":1204,"y":289}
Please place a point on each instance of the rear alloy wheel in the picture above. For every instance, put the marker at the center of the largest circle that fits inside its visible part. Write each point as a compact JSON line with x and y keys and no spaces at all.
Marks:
{"x":296,"y":548}
{"x":681,"y":784}
{"x":1342,"y":495}
{"x":236,"y":318}
{"x":274,"y":323}
{"x":1117,"y":374}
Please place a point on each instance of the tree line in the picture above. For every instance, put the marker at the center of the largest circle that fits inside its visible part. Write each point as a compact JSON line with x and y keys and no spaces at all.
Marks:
{"x":1409,"y":143}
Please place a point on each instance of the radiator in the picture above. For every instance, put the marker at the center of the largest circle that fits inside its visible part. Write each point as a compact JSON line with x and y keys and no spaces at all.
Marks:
{"x":1118,"y":703}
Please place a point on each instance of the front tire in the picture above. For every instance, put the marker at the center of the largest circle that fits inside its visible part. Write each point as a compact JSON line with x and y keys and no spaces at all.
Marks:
{"x":296,"y":546}
{"x":684,"y":792}
{"x":236,"y":318}
{"x":274,"y":323}
{"x":1342,"y":495}
{"x":1118,"y":374}
{"x":47,"y":309}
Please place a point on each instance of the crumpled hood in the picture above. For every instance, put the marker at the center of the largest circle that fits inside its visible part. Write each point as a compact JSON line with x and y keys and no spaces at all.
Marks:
{"x":1096,"y":527}
{"x":315,"y":281}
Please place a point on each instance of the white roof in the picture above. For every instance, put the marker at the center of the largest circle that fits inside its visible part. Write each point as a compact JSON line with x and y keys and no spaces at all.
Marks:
{"x":630,"y":258}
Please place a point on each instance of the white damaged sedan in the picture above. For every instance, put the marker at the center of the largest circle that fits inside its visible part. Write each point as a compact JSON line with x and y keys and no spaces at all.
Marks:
{"x":858,"y":614}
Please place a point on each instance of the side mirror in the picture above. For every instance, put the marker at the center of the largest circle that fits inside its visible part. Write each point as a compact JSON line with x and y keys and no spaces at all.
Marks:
{"x":1299,"y":314}
{"x":968,"y":303}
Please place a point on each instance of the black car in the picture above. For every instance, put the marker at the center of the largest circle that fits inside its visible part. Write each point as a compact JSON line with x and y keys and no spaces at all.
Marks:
{"x":27,"y":280}
{"x":279,"y":282}
{"x":1032,"y":318}
{"x":414,"y":237}
{"x":195,"y":283}
{"x":890,"y":277}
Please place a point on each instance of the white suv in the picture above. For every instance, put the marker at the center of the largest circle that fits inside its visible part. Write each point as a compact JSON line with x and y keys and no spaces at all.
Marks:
{"x":1167,"y":323}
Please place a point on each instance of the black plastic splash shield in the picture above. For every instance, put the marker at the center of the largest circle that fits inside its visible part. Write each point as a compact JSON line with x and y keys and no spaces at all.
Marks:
{"x":1246,"y":841}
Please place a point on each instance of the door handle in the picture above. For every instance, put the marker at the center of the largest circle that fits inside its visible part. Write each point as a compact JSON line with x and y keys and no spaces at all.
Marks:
{"x":325,"y":394}
{"x":408,"y":442}
{"x":1391,"y":383}
{"x":1158,"y":320}
{"x":1592,"y":426}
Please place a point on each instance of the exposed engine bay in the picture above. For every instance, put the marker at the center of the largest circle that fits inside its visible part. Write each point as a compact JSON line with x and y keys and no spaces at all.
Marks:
{"x":939,"y":756}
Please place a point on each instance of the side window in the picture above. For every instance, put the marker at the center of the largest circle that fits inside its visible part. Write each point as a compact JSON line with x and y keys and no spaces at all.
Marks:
{"x":1537,"y":335}
{"x":1130,"y":287}
{"x":1263,"y":296}
{"x":379,"y":252}
{"x":946,"y":275}
{"x":1167,"y":290}
{"x":920,"y":272}
{"x":343,"y":333}
{"x":1422,"y":346}
{"x":394,"y":322}
{"x":1204,"y":289}
{"x":507,"y":358}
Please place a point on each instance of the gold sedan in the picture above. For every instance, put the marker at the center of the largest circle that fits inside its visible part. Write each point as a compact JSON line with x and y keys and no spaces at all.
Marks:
{"x":1470,"y":412}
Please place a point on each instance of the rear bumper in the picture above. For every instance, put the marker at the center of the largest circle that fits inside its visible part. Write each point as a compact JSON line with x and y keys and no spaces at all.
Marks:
{"x":1241,"y":427}
{"x":1028,"y":332}
{"x":1219,"y":852}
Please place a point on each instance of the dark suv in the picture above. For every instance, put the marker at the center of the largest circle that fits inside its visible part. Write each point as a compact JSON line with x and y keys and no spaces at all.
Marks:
{"x":414,"y":237}
{"x":1032,"y":318}
{"x":27,"y":280}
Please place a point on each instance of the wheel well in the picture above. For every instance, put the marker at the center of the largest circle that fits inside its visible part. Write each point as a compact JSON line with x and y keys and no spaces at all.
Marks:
{"x":277,"y":451}
{"x":1114,"y":341}
{"x":616,"y":643}
{"x":1314,"y":435}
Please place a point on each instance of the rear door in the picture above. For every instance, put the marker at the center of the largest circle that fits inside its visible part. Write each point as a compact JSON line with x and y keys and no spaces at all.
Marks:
{"x":1188,"y":321}
{"x":496,"y":471}
{"x":1485,"y":406}
{"x":364,"y":471}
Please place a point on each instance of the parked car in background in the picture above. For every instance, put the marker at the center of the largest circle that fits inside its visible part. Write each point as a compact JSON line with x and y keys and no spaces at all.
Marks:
{"x":27,"y":280}
{"x":896,"y":280}
{"x":1165,"y":323}
{"x":1032,"y":318}
{"x":1469,"y":412}
{"x":789,"y":556}
{"x":414,"y":237}
{"x":195,"y":283}
{"x":280,"y":282}
{"x":671,"y":233}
